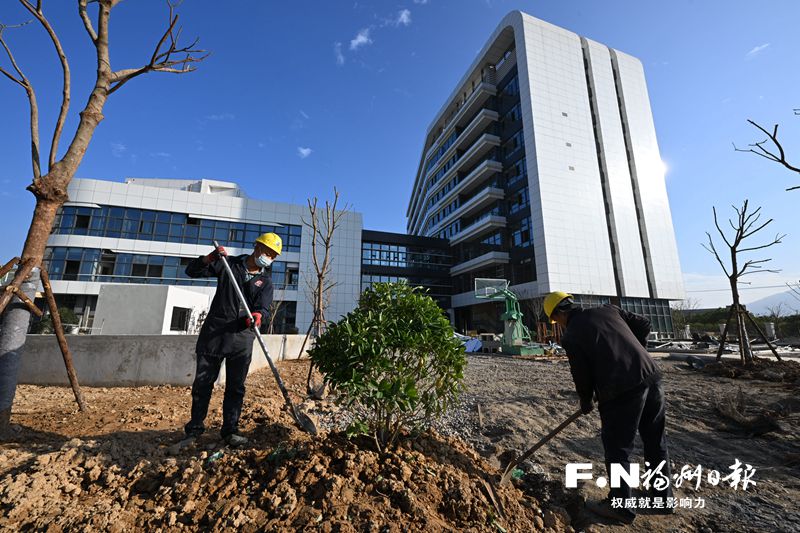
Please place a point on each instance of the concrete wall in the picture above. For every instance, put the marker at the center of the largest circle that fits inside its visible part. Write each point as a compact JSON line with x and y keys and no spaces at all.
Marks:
{"x":131,"y":360}
{"x":178,"y":297}
{"x":126,"y":309}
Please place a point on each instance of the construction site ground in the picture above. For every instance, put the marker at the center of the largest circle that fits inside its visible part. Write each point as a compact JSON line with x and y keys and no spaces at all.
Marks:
{"x":115,"y":467}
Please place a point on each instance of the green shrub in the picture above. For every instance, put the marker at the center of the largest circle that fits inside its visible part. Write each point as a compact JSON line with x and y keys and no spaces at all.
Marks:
{"x":45,"y":325}
{"x":394,"y":361}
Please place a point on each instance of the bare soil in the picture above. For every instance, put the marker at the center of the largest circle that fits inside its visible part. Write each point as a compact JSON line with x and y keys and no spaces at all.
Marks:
{"x":522,"y":400}
{"x":114,"y":467}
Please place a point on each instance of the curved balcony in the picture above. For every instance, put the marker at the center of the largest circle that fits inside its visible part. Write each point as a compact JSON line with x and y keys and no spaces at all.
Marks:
{"x":466,"y":137}
{"x":478,"y":228}
{"x":482,"y":261}
{"x":475,"y":101}
{"x":473,"y":205}
{"x":479,"y":149}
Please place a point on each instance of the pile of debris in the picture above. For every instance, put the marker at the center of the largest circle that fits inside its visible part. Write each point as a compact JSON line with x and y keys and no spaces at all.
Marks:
{"x":765,"y":369}
{"x":286,"y":481}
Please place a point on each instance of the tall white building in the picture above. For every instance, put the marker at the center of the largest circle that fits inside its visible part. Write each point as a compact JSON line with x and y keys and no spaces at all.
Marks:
{"x":542,"y":167}
{"x":145,"y":231}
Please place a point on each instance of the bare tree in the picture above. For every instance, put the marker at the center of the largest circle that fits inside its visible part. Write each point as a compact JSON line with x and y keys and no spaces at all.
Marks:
{"x":274,"y":309}
{"x":775,"y":313}
{"x":776,"y":153}
{"x":323,"y":225}
{"x":681,"y":313}
{"x":50,"y":181}
{"x":745,"y":226}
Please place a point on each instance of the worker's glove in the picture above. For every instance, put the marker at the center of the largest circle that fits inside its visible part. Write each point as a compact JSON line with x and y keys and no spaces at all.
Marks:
{"x":256,"y":318}
{"x":586,"y":405}
{"x":218,"y":252}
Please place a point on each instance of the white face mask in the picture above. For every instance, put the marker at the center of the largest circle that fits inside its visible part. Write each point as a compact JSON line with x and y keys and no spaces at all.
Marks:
{"x":264,"y":261}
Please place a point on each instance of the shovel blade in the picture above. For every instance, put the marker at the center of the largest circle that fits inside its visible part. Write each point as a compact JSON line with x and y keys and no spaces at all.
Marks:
{"x":305,"y":422}
{"x":509,"y":471}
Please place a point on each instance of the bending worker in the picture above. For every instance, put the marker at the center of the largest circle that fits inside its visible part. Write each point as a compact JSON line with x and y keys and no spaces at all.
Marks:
{"x":607,"y":356}
{"x":227,"y":334}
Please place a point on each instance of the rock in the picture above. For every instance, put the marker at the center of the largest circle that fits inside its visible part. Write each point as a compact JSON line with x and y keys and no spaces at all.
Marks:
{"x":551,"y":519}
{"x":72,"y":443}
{"x":539,"y":523}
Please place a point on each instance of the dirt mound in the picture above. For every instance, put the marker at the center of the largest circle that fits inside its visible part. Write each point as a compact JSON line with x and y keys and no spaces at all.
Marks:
{"x":112,"y":468}
{"x":329,"y":484}
{"x":764,"y":369}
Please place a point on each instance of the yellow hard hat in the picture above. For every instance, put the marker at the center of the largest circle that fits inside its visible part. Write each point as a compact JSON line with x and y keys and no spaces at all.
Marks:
{"x":271,"y":241}
{"x":552,"y":300}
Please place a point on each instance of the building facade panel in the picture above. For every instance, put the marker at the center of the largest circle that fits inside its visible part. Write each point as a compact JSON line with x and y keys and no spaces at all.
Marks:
{"x":648,"y":173}
{"x":612,"y":153}
{"x":574,"y":246}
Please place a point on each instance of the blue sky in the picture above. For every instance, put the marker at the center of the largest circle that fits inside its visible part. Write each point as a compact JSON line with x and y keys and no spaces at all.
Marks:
{"x":300,"y":96}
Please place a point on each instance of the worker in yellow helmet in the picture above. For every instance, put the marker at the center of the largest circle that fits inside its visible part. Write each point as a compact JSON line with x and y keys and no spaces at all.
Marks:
{"x":227,"y":332}
{"x":606,"y":347}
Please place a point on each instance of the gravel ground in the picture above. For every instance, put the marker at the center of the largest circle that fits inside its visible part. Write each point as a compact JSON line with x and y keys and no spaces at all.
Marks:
{"x":522,"y":400}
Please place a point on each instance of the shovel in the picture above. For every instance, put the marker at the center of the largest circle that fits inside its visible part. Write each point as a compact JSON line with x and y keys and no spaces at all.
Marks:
{"x":519,"y":460}
{"x":305,"y":423}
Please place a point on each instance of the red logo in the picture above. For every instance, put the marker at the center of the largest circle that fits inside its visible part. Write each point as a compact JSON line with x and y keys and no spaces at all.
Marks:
{"x":259,"y":283}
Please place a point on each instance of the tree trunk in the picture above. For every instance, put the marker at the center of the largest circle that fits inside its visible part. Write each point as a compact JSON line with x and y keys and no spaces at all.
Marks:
{"x":13,"y":329}
{"x":16,"y":317}
{"x":724,"y":335}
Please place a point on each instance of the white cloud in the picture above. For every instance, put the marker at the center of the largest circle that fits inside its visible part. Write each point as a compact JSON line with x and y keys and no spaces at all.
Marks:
{"x":118,"y":149}
{"x":221,"y":116}
{"x":755,"y":51}
{"x":160,"y":154}
{"x":304,"y":114}
{"x":361,"y":39}
{"x":303,"y":152}
{"x":337,"y":51}
{"x":421,"y":2}
{"x":403,"y":18}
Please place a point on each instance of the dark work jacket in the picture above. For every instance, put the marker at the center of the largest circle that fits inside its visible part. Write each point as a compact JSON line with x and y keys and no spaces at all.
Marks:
{"x":224,"y":331}
{"x":606,"y":350}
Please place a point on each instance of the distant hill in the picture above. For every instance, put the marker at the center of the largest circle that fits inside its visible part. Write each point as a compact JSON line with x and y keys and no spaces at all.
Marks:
{"x":761,"y":307}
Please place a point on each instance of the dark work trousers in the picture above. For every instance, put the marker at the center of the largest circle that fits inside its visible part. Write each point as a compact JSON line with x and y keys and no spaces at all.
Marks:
{"x":208,"y":367}
{"x":642,"y":409}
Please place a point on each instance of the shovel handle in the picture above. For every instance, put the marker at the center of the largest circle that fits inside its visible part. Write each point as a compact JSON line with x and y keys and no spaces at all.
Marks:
{"x":558,"y":429}
{"x":234,"y":283}
{"x":305,"y":424}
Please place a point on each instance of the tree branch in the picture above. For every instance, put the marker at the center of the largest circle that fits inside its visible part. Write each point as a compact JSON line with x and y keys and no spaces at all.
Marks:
{"x":87,"y":22}
{"x":716,"y":223}
{"x":161,"y":61}
{"x":66,"y":84}
{"x":759,"y":149}
{"x":778,"y":239}
{"x":33,"y":105}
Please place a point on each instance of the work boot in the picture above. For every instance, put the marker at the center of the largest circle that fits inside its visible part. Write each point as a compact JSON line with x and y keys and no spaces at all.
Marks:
{"x":234,"y":440}
{"x":603,"y":508}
